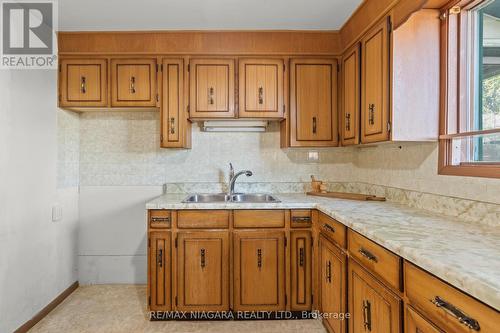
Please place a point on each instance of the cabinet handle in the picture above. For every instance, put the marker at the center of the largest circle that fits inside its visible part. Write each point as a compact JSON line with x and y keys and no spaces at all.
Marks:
{"x":301,"y":257}
{"x":172,"y":125}
{"x":314,"y":125}
{"x":259,"y":258}
{"x":301,"y":219}
{"x":348,"y":121}
{"x":160,"y":257}
{"x":202,"y":258}
{"x":367,"y":315}
{"x":160,"y":219}
{"x":83,"y":85}
{"x":261,"y":95}
{"x":371,"y":115}
{"x":457,"y":313}
{"x":328,"y":227}
{"x":211,"y":95}
{"x":329,"y":271}
{"x":368,"y":255}
{"x":132,"y":85}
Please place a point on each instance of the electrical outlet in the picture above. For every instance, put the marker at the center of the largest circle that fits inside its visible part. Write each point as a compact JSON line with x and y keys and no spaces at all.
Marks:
{"x":313,"y":156}
{"x":56,"y":212}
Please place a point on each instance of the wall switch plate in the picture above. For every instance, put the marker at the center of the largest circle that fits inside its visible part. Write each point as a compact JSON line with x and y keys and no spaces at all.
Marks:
{"x":56,"y":212}
{"x":313,"y":156}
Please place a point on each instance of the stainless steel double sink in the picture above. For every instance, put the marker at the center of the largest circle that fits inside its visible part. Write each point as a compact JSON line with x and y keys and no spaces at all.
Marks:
{"x":239,"y":197}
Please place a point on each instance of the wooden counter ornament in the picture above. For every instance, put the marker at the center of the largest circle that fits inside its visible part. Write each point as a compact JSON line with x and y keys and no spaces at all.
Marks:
{"x":319,"y":190}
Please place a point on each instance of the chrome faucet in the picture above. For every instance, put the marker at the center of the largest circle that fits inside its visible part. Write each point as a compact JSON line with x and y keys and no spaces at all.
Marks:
{"x":233,"y":177}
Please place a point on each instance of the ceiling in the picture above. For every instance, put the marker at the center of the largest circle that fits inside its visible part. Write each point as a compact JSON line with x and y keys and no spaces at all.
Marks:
{"x":82,"y":15}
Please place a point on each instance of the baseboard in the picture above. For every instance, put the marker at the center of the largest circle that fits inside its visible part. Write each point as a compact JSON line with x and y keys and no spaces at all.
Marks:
{"x":46,"y":310}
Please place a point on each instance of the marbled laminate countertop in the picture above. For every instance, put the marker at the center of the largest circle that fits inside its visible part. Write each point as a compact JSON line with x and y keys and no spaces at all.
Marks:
{"x":466,"y":255}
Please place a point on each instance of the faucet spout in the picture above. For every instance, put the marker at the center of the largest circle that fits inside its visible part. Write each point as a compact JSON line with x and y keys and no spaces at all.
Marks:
{"x":234,"y":177}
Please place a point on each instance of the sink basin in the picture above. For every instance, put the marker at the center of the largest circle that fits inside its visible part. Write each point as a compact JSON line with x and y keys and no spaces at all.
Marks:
{"x":240,"y":197}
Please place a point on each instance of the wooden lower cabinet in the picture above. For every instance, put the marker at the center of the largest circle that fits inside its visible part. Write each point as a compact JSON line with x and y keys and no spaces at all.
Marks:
{"x":259,"y":270}
{"x":160,"y":280}
{"x":332,"y":264}
{"x":415,"y":323}
{"x":203,"y":271}
{"x":372,"y":306}
{"x":300,"y":270}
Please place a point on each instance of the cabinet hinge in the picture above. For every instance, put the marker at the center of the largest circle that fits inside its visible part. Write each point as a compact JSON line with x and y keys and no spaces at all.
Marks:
{"x":149,"y":300}
{"x":388,"y":126}
{"x":175,"y":242}
{"x":175,"y":300}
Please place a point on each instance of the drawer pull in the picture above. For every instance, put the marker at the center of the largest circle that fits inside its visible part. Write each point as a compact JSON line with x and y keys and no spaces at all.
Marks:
{"x":83,"y":85}
{"x":160,"y":219}
{"x":301,"y":219}
{"x":367,"y":315}
{"x":329,"y":271}
{"x":202,"y":258}
{"x":132,"y":85}
{"x":301,"y":257}
{"x":261,"y":95}
{"x":457,"y":313}
{"x":259,"y":258}
{"x":328,"y":227}
{"x":160,"y":257}
{"x":368,"y":255}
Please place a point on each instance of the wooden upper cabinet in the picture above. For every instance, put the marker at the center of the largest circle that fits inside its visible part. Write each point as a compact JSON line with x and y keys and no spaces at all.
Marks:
{"x":375,"y":103}
{"x":313,"y":103}
{"x":203,"y":271}
{"x":349,"y":117}
{"x":211,"y":93}
{"x":372,"y":306}
{"x":133,"y":82}
{"x":160,"y":271}
{"x":83,"y":82}
{"x":259,"y":271}
{"x":261,"y":88}
{"x":175,"y":127}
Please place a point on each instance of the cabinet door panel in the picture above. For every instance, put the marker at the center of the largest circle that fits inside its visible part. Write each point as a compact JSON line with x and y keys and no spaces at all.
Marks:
{"x":415,"y":323}
{"x":375,"y":106}
{"x":259,"y":267}
{"x":261,"y":88}
{"x":212,"y":88}
{"x":332,"y":268}
{"x":133,"y":82}
{"x":373,"y":308}
{"x":203,"y":271}
{"x":313,"y":102}
{"x":160,"y":271}
{"x":350,"y":97}
{"x":300,"y":267}
{"x":83,"y":82}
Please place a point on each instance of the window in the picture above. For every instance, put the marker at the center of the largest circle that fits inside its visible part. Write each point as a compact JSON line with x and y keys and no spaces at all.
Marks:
{"x":470,"y":117}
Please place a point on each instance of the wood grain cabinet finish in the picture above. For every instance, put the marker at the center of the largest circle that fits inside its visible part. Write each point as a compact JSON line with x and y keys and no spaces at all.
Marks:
{"x":83,"y":83}
{"x":332,"y":285}
{"x":203,"y":271}
{"x":375,"y":103}
{"x":300,"y":270}
{"x":259,"y":270}
{"x":160,"y":280}
{"x":372,"y":306}
{"x":313,"y":103}
{"x":212,"y":88}
{"x":415,"y":323}
{"x":349,"y":115}
{"x":175,"y":126}
{"x":261,"y":88}
{"x":332,"y":228}
{"x":133,"y":82}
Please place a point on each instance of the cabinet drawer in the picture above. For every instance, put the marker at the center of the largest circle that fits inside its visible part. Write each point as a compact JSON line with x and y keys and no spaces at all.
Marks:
{"x":259,"y":218}
{"x":333,"y":229}
{"x":443,"y":304}
{"x":159,"y":219}
{"x":300,"y":218}
{"x":380,"y":261}
{"x":196,"y":219}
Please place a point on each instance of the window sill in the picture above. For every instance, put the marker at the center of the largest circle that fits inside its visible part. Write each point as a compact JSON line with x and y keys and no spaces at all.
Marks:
{"x":471,"y":170}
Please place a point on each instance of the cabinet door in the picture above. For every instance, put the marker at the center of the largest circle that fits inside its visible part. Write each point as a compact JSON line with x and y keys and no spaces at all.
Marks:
{"x":83,"y":83}
{"x":375,"y":106}
{"x":203,"y":271}
{"x":300,"y":268}
{"x":313,"y":103}
{"x":415,"y":323}
{"x":349,"y":118}
{"x":160,"y":271}
{"x":261,"y":88}
{"x":211,"y":88}
{"x":133,"y":82}
{"x":259,"y":267}
{"x":332,"y":284}
{"x":175,"y":127}
{"x":372,"y":306}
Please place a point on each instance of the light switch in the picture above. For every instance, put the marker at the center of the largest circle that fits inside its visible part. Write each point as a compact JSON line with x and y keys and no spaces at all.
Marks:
{"x":313,"y":156}
{"x":56,"y":212}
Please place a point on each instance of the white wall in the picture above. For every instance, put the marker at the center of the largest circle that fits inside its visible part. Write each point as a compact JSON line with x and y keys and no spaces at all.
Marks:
{"x":37,"y":256}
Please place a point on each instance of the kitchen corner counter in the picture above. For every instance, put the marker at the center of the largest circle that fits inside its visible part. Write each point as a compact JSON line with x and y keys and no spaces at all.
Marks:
{"x":466,"y":255}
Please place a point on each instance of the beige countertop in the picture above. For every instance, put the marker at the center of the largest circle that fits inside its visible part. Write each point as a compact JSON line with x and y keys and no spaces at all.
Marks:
{"x":466,"y":255}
